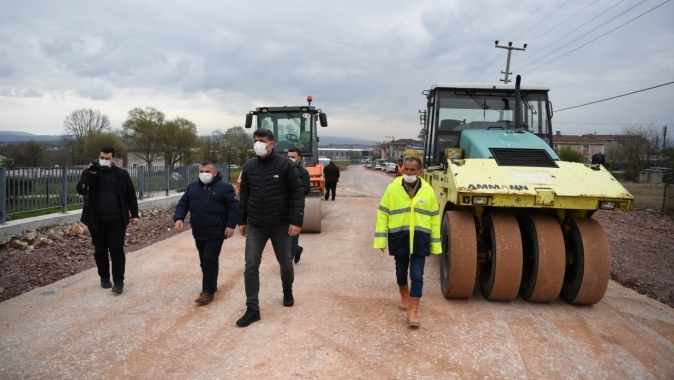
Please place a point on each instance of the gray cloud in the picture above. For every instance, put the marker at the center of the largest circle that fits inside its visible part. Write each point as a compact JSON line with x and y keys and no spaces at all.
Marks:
{"x":360,"y":60}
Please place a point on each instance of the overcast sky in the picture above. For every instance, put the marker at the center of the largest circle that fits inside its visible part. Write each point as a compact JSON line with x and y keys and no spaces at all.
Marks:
{"x":364,"y":62}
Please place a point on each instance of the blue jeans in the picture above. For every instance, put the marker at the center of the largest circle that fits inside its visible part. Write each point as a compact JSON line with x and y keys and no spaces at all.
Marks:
{"x":415,"y":263}
{"x":209,"y":260}
{"x":256,"y":239}
{"x":294,"y":245}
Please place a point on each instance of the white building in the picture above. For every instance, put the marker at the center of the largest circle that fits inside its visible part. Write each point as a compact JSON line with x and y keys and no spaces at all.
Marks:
{"x":342,"y":154}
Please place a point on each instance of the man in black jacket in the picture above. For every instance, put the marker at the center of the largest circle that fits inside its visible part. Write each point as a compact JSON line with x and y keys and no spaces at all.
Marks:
{"x":271,"y":207}
{"x":295,"y":156}
{"x":331,"y":172}
{"x":109,"y":197}
{"x":213,"y":207}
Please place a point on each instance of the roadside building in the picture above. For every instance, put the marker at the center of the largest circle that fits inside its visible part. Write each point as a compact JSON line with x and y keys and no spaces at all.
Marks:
{"x":582,"y":144}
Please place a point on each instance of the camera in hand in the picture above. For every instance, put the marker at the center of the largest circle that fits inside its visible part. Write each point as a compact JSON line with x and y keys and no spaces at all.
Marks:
{"x":94,"y":166}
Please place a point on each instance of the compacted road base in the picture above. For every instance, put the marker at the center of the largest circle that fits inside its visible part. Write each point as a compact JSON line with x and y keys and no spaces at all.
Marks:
{"x":344,"y":325}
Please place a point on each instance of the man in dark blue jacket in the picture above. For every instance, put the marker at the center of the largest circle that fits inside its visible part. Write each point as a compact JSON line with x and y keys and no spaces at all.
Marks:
{"x":213,"y":206}
{"x":271,"y":208}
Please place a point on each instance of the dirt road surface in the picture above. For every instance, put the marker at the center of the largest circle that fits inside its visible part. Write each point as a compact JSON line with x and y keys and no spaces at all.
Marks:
{"x":344,"y":325}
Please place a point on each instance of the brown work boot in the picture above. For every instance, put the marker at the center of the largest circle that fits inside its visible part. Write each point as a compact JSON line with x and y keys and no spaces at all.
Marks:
{"x":404,"y":297}
{"x":204,"y":298}
{"x":412,"y":309}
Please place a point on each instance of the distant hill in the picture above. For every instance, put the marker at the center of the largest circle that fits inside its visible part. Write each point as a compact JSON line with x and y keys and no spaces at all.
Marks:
{"x":14,"y":136}
{"x":338,"y":140}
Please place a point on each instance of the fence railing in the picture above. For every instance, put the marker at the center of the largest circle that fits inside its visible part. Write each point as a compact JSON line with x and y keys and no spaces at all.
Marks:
{"x":23,"y":190}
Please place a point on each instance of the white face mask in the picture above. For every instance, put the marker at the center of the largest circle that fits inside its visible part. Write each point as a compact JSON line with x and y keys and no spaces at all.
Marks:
{"x":206,"y":178}
{"x":105,"y":163}
{"x":409,"y":178}
{"x":260,"y":148}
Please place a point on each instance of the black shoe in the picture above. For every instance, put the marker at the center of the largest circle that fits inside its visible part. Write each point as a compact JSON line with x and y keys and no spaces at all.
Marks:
{"x":248,"y":318}
{"x":106,"y":284}
{"x":288,"y":299}
{"x":297,"y":255}
{"x":118,"y":288}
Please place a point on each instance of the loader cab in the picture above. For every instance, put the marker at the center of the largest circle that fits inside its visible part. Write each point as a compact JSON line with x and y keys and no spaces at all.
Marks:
{"x":455,"y":108}
{"x":293,"y":127}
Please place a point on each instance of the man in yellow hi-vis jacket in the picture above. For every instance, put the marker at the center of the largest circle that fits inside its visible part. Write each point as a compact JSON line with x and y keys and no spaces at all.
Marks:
{"x":409,"y":218}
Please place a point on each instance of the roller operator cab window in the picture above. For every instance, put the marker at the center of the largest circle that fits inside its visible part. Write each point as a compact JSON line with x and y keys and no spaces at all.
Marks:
{"x":459,"y":110}
{"x":291,"y":130}
{"x":490,"y":109}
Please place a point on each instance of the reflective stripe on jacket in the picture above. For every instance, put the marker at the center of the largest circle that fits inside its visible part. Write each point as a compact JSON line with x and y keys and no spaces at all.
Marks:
{"x":410,"y":225}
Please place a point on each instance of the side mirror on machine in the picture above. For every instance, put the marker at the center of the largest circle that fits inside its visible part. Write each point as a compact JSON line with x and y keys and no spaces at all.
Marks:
{"x":249,"y":120}
{"x":548,"y":107}
{"x":323,"y":119}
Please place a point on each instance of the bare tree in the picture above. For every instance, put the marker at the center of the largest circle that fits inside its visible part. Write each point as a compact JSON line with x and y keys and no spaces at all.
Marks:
{"x":637,"y":147}
{"x":78,"y":126}
{"x":142,"y":129}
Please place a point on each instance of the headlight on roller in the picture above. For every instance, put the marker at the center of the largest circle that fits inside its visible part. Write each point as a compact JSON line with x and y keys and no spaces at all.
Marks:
{"x":607,"y":205}
{"x":480,"y":200}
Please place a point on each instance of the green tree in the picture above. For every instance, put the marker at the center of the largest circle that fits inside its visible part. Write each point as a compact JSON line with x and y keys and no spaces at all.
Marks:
{"x":353,"y":155}
{"x":177,"y":139}
{"x":79,"y":125}
{"x":94,"y":143}
{"x":33,"y":154}
{"x":142,"y":128}
{"x":570,"y":155}
{"x":235,"y":146}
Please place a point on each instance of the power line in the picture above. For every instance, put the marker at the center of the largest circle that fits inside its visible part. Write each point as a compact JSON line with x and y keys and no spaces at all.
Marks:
{"x":543,"y":19}
{"x":478,"y":62}
{"x":517,"y":26}
{"x":610,"y":31}
{"x":614,"y":97}
{"x":637,"y":124}
{"x":571,"y":32}
{"x":489,"y":65}
{"x":554,"y":27}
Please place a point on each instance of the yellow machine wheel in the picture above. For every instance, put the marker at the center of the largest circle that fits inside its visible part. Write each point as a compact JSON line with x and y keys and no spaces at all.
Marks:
{"x":312,"y":214}
{"x":458,"y":262}
{"x":544,"y":259}
{"x":588,"y":271}
{"x":500,"y":277}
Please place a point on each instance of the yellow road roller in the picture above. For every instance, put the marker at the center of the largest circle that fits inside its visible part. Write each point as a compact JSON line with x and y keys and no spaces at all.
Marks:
{"x":515,"y":218}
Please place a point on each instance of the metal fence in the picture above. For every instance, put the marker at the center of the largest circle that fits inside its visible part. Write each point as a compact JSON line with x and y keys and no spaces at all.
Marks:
{"x":25,"y":190}
{"x":668,"y":194}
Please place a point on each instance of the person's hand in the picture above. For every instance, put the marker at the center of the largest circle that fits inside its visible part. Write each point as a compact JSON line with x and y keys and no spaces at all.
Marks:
{"x":229,"y":232}
{"x":294,"y":230}
{"x":243,"y":229}
{"x":135,"y":221}
{"x":178,"y":226}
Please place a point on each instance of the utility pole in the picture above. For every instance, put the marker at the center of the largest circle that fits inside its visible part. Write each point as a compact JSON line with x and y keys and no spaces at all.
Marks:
{"x":510,"y":48}
{"x":390,"y":146}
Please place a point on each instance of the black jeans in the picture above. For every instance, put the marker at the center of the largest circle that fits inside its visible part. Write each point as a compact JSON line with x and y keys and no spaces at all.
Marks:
{"x":330,"y":186}
{"x":256,"y":239}
{"x":209,"y":254}
{"x":109,"y":235}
